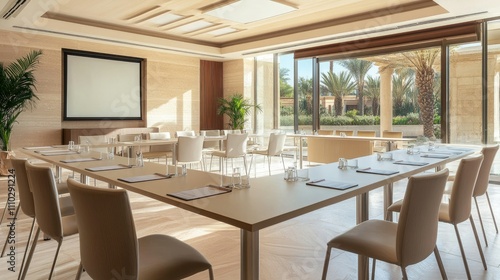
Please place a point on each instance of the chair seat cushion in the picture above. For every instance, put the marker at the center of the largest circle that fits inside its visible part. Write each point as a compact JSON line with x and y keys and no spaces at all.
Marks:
{"x":164,"y":257}
{"x":372,"y":238}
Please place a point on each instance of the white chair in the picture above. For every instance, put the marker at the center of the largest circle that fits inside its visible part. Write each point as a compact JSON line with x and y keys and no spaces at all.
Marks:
{"x":274,"y":148}
{"x":236,"y":146}
{"x":184,"y":133}
{"x":190,"y":150}
{"x":159,"y":151}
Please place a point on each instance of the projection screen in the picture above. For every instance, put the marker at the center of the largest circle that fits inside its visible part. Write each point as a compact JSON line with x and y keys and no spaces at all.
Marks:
{"x":101,"y":86}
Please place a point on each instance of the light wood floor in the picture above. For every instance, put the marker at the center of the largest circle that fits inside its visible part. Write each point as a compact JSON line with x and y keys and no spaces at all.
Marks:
{"x":291,"y":250}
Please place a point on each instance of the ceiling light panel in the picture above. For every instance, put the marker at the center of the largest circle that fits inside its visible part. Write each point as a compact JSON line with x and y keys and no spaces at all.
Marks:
{"x":247,"y":11}
{"x":163,"y":19}
{"x":222,"y":31}
{"x":192,"y":26}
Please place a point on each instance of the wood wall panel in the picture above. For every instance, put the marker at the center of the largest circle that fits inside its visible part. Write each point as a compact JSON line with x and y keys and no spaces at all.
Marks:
{"x":211,"y":89}
{"x":172,"y":84}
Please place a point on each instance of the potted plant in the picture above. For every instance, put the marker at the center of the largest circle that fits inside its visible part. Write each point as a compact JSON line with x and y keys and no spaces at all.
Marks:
{"x":17,"y":85}
{"x":236,"y":107}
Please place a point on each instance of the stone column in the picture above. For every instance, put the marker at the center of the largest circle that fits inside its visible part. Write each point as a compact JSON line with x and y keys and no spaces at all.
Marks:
{"x":386,"y":99}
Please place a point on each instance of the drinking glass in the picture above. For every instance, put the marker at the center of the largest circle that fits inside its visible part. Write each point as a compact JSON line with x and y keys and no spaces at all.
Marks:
{"x":71,"y":145}
{"x":111,"y":148}
{"x":236,"y":177}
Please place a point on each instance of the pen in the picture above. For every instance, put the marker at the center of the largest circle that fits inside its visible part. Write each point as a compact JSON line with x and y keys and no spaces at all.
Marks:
{"x":317,"y":181}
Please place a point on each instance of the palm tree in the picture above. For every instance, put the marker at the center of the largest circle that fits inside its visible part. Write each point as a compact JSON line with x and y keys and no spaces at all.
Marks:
{"x":372,"y":91}
{"x":17,"y":85}
{"x":402,"y":86}
{"x":358,"y":69}
{"x":286,"y":90}
{"x":423,"y":60}
{"x":339,"y":86}
{"x":236,"y":108}
{"x":305,"y":89}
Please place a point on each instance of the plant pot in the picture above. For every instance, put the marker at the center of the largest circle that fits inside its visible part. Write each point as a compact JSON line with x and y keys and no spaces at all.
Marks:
{"x":5,"y":163}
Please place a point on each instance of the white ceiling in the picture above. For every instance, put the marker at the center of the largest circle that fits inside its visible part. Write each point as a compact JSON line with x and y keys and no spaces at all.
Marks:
{"x":193,"y":27}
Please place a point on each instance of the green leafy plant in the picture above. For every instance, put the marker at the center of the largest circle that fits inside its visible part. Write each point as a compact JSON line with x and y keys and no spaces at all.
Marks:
{"x":17,"y":85}
{"x":236,"y":107}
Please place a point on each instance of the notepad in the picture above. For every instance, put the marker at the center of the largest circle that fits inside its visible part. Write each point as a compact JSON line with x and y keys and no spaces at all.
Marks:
{"x":435,"y":156}
{"x":377,"y":171}
{"x":79,"y":160}
{"x":332,"y":184}
{"x":414,"y":163}
{"x":201,"y":192}
{"x":38,"y":148}
{"x":144,"y":178}
{"x":108,"y":167}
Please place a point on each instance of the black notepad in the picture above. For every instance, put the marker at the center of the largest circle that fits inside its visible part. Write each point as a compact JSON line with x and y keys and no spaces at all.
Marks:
{"x":201,"y":192}
{"x":377,"y":171}
{"x":332,"y":184}
{"x":415,"y":163}
{"x":144,"y":178}
{"x":79,"y":160}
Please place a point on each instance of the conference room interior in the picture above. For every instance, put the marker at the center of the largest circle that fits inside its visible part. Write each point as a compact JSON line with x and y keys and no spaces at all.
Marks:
{"x":183,"y":74}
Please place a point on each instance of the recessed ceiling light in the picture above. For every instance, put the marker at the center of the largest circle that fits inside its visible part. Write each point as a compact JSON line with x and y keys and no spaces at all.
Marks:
{"x":222,"y":31}
{"x":192,"y":26}
{"x":164,"y":19}
{"x":246,"y":11}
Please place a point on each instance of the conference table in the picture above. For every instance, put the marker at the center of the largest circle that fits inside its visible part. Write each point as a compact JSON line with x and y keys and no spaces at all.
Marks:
{"x":269,"y":200}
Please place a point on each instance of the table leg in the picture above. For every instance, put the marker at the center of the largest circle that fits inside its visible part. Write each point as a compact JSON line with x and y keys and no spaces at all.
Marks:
{"x":362,"y":215}
{"x":300,"y":152}
{"x":388,"y":195}
{"x":249,"y":266}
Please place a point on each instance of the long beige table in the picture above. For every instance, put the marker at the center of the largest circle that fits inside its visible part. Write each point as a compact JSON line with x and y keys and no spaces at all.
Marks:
{"x":269,"y":201}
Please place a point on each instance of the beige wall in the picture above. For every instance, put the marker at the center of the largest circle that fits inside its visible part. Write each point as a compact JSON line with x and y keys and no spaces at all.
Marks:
{"x":172,"y":88}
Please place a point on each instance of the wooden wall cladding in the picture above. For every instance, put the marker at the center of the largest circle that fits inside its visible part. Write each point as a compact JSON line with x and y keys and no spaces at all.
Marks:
{"x":211,"y":89}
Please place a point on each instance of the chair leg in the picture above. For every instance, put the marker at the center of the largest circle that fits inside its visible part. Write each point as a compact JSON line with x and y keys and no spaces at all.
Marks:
{"x":463,"y":252}
{"x":327,"y":261}
{"x":387,"y":215}
{"x":8,"y":234}
{"x":4,"y":210}
{"x":405,"y":276}
{"x":27,"y":246}
{"x":28,"y":261}
{"x":79,"y":272}
{"x":440,"y":263}
{"x":481,"y":222}
{"x":211,"y":157}
{"x":211,"y":273}
{"x":373,"y":268}
{"x":491,"y":210}
{"x":245,"y":164}
{"x":269,"y":164}
{"x":478,"y":243}
{"x":55,"y":259}
{"x":282,"y":162}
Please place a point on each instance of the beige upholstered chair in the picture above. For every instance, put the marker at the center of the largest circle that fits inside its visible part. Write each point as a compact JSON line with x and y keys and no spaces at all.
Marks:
{"x":325,"y":132}
{"x":190,"y":150}
{"x":109,"y":244}
{"x":131,"y":149}
{"x":407,"y":242}
{"x":236,"y":147}
{"x":380,"y":146}
{"x":26,"y":202}
{"x":366,"y":133}
{"x":158,"y":151}
{"x":184,"y":133}
{"x":211,"y":145}
{"x":48,"y":211}
{"x":459,"y":206}
{"x":346,"y":132}
{"x":93,"y":140}
{"x":274,"y":148}
{"x":482,"y":183}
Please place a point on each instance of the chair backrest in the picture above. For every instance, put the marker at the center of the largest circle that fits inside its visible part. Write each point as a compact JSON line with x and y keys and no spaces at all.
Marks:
{"x":46,"y":200}
{"x":211,"y":144}
{"x":325,"y":132}
{"x":483,"y":177}
{"x":189,"y":149}
{"x":463,"y":187}
{"x":159,"y":135}
{"x":108,"y":241}
{"x":25,"y":195}
{"x":366,"y":133}
{"x":418,"y":220}
{"x":236,"y":145}
{"x":392,"y":134}
{"x":346,"y":132}
{"x":184,"y":133}
{"x":276,"y":144}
